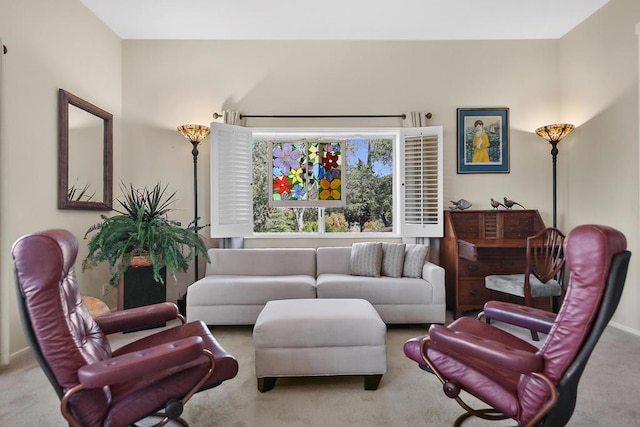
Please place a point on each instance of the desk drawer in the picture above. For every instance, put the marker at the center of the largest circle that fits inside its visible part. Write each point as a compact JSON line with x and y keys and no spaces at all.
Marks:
{"x":485,"y":267}
{"x":472,"y":292}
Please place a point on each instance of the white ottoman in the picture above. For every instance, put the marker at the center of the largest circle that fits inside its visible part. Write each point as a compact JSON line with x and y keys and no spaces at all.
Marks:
{"x":309,"y":337}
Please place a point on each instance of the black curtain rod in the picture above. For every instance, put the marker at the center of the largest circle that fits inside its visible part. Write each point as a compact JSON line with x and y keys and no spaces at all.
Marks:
{"x":243,"y":116}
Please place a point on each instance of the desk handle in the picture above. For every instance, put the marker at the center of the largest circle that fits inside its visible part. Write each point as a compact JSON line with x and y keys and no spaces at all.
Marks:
{"x":473,"y":267}
{"x":474,"y":292}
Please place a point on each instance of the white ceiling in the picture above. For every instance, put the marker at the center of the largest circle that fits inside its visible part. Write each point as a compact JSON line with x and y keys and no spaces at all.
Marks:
{"x":343,"y":19}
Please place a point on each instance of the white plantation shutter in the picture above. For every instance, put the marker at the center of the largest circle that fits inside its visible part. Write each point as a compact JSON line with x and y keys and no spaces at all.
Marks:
{"x":421,"y":203}
{"x":231,"y":177}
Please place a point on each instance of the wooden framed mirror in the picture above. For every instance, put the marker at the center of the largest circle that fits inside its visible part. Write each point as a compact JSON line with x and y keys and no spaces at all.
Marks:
{"x":85,"y":154}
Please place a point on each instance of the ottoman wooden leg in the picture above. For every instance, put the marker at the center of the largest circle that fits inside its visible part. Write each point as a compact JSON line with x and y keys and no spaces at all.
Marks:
{"x":371,"y":381}
{"x":267,"y":383}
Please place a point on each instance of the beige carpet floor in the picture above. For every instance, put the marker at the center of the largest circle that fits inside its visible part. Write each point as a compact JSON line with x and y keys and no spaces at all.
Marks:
{"x":407,"y":396}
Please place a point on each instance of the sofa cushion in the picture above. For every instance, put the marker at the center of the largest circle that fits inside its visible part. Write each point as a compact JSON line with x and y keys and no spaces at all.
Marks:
{"x":379,"y":290}
{"x":334,"y":260}
{"x":392,"y":259}
{"x":414,"y":258}
{"x":262,"y":261}
{"x":366,"y":259}
{"x":246,"y":290}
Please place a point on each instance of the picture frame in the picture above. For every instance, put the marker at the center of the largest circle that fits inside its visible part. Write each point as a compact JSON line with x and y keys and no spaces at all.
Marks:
{"x":485,"y":149}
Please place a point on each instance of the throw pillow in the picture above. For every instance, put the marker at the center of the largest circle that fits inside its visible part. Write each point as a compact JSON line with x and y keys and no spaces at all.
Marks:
{"x":366,"y":259}
{"x":414,"y":258}
{"x":392,"y":259}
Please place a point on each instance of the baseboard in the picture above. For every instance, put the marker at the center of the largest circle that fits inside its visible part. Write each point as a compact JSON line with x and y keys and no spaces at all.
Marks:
{"x":625,"y":328}
{"x":23,"y":352}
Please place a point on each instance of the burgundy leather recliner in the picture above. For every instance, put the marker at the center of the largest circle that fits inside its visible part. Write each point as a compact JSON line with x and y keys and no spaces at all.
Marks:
{"x":156,"y":374}
{"x":519,"y":381}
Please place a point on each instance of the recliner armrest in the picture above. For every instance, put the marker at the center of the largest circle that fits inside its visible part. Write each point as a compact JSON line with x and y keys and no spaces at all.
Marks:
{"x":448,"y":340}
{"x":519,"y":315}
{"x":169,"y":357}
{"x":124,"y":320}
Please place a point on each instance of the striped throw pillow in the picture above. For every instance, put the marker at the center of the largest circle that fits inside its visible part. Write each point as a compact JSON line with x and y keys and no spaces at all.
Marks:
{"x":366,"y":259}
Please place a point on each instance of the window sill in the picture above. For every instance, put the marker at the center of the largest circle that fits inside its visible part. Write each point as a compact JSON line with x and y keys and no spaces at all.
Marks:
{"x":351,"y":236}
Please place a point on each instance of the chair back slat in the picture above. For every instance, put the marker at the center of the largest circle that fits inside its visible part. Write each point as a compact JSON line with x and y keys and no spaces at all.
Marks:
{"x":545,"y":254}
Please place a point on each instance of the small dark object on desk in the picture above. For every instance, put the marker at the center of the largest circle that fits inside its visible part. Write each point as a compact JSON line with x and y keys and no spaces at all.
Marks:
{"x":496,"y":204}
{"x":509,"y":203}
{"x":461,"y":204}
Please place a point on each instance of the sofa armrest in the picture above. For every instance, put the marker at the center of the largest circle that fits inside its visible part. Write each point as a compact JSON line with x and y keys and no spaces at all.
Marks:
{"x":434,"y":274}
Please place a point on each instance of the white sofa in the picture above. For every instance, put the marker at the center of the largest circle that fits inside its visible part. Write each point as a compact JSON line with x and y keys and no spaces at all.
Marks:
{"x":239,"y":282}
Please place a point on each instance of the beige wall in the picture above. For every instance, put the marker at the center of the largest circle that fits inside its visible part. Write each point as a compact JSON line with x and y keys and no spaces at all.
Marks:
{"x":51,"y":45}
{"x":589,"y":77}
{"x":168,"y":83}
{"x":599,"y":64}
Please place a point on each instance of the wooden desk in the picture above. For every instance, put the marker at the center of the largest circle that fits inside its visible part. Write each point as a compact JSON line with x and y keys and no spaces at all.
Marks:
{"x":479,"y":243}
{"x":469,"y":248}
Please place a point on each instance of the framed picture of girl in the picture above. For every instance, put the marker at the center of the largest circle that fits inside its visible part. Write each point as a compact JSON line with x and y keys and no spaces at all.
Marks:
{"x":483,"y":140}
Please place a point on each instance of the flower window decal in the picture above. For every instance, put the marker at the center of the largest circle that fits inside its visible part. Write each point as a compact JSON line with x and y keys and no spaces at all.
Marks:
{"x":306,"y":174}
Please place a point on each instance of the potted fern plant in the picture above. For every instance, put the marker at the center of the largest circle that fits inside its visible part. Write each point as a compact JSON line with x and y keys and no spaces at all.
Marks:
{"x":142,"y":235}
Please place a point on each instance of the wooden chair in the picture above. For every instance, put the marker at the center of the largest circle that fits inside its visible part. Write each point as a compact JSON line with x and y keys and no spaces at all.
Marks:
{"x":543,"y":275}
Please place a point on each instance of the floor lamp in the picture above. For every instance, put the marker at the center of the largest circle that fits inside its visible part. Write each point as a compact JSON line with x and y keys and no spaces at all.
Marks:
{"x":553,"y":134}
{"x":195,"y":134}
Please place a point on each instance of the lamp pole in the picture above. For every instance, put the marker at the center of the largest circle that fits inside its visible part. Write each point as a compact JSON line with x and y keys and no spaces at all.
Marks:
{"x":195,"y":134}
{"x":554,"y":156}
{"x":553,"y":134}
{"x":194,"y":152}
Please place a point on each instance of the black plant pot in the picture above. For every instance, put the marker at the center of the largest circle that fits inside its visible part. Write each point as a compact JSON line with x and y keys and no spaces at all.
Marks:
{"x":182,"y":305}
{"x":137,"y":288}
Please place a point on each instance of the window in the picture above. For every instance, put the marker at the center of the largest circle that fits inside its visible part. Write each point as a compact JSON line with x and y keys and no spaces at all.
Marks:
{"x":365,"y":186}
{"x":391,"y":182}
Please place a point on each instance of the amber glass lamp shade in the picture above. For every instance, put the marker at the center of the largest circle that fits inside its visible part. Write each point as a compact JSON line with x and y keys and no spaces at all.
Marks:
{"x":554,"y":133}
{"x":194,"y":133}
